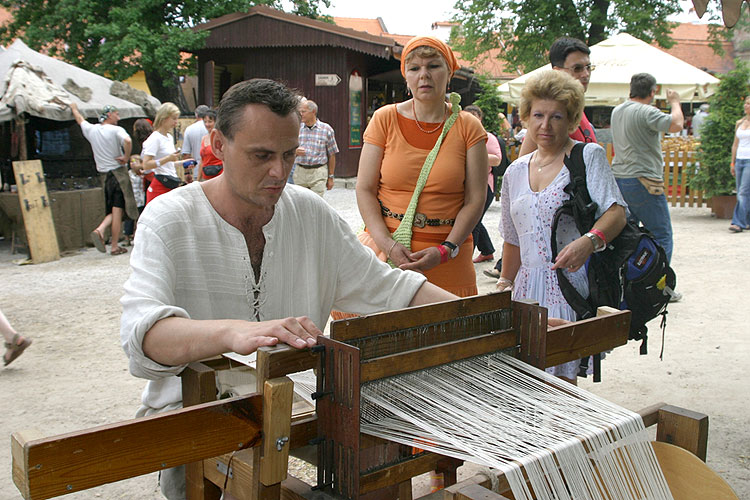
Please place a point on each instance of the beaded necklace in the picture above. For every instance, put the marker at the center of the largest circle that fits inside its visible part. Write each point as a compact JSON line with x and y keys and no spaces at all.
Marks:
{"x":439,"y":126}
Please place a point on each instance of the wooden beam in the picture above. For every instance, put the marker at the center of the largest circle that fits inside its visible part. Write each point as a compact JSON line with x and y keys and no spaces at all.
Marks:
{"x":476,"y":492}
{"x":365,"y":326}
{"x":277,"y":414}
{"x":84,"y":459}
{"x":428,"y":357}
{"x":587,"y":337}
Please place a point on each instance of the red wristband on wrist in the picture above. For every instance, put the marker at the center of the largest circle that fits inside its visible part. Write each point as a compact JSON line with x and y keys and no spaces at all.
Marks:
{"x":443,"y":254}
{"x":599,"y":234}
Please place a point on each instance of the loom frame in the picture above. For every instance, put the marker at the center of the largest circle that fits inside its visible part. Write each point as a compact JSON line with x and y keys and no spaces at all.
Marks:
{"x":258,"y":470}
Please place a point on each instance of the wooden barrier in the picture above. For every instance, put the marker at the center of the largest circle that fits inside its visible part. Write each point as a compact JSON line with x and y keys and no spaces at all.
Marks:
{"x":680,"y":162}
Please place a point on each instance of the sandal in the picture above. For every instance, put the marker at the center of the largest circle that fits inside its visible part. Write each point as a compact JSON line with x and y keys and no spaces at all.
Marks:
{"x":98,"y":240}
{"x":735,"y":229}
{"x":118,"y":251}
{"x":13,"y":349}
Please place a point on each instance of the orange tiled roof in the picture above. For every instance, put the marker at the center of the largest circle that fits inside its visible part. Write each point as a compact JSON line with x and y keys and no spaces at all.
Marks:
{"x":692,"y":46}
{"x":371,"y":26}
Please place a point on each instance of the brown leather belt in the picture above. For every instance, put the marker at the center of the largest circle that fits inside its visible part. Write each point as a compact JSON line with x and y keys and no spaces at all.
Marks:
{"x":420,"y":220}
{"x":311,"y":166}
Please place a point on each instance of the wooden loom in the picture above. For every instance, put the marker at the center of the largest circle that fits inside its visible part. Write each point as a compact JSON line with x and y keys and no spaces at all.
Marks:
{"x":234,"y":443}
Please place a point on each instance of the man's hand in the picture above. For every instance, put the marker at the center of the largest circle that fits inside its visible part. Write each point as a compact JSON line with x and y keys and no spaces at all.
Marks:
{"x":300,"y":152}
{"x":297,"y":332}
{"x":122,"y":159}
{"x":329,"y":183}
{"x":673,"y":97}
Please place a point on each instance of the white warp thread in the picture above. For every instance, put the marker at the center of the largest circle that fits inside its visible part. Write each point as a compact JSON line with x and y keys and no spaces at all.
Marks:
{"x":499,"y":412}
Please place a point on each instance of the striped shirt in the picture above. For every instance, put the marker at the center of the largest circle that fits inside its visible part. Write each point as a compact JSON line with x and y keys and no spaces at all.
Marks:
{"x":319,"y":143}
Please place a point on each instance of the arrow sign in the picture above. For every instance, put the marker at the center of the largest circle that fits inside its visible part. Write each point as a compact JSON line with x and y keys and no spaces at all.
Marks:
{"x":327,"y":80}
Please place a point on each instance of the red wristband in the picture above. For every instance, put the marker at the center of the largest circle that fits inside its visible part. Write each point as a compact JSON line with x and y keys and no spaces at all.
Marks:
{"x":599,"y":234}
{"x":443,"y":254}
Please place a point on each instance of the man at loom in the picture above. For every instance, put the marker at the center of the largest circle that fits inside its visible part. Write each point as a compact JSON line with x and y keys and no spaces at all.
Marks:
{"x":245,"y":260}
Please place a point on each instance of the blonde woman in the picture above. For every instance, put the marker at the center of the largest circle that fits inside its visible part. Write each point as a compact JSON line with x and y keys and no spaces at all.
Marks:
{"x":534,"y":188}
{"x":159,"y":154}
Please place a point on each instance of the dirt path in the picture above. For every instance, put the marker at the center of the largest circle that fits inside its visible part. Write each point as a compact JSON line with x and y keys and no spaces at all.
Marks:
{"x":75,"y":374}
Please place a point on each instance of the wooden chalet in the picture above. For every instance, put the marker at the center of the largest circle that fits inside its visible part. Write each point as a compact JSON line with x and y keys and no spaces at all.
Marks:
{"x":348,"y":73}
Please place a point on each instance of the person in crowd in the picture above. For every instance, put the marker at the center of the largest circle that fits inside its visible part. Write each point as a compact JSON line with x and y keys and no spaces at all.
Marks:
{"x":15,"y":343}
{"x":111,"y":145}
{"x":505,"y":127}
{"x":570,"y":56}
{"x":638,"y":166}
{"x":699,"y":119}
{"x":482,"y":239}
{"x":244,"y":260}
{"x":191,"y":139}
{"x":740,"y":168}
{"x":159,"y":154}
{"x":396,"y":144}
{"x":316,"y":157}
{"x":211,"y":165}
{"x":533,"y":189}
{"x":142,"y":129}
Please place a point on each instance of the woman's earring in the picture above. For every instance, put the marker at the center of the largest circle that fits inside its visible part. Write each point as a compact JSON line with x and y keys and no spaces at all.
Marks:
{"x":408,"y":91}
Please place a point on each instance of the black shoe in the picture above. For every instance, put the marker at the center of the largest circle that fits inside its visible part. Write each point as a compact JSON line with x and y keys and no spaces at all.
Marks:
{"x":492,"y":273}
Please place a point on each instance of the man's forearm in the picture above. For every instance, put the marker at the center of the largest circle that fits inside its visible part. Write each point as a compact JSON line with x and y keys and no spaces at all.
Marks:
{"x":429,"y":293}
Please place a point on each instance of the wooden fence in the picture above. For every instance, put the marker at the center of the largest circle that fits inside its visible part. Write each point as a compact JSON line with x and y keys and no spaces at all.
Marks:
{"x":679,"y":163}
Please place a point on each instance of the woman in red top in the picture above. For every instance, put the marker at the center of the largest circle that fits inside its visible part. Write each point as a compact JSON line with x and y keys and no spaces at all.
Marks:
{"x":211,"y":166}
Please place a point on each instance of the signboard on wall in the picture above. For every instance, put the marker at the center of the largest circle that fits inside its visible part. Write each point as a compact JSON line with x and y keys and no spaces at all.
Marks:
{"x":327,"y":80}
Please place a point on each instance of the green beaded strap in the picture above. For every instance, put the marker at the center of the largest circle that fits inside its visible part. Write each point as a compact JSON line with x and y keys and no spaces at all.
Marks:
{"x":403,"y":232}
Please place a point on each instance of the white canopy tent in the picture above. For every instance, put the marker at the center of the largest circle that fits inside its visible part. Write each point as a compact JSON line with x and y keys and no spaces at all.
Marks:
{"x":42,"y":86}
{"x":617,"y":59}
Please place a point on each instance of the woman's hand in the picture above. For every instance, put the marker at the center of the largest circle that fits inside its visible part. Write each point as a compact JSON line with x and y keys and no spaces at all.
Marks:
{"x":399,"y":254}
{"x":731,"y":169}
{"x":554,"y":322}
{"x":422,"y":261}
{"x":574,"y":255}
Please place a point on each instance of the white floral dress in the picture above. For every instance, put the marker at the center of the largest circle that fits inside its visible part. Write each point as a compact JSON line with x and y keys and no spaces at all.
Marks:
{"x":527,"y":223}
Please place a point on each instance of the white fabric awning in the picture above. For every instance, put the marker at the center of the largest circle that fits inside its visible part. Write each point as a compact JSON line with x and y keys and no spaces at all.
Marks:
{"x":35,"y":84}
{"x":617,"y":59}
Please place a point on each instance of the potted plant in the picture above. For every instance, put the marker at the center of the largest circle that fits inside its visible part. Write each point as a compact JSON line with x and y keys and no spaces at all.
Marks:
{"x":714,"y":177}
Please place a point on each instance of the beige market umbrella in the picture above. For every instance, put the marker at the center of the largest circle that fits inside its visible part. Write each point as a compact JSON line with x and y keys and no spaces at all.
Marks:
{"x":617,"y":59}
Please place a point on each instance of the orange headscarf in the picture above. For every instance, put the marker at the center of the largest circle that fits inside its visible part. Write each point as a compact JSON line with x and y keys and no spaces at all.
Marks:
{"x":429,"y":41}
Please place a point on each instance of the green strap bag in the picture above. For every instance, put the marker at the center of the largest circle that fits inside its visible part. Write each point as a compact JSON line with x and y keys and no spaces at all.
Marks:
{"x":403,"y":232}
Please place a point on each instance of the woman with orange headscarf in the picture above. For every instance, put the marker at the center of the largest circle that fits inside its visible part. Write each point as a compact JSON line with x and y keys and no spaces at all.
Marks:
{"x":397,"y":142}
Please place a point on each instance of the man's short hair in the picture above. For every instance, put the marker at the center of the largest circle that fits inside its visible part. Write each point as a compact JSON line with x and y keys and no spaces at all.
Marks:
{"x":278,"y":97}
{"x":311,"y":106}
{"x":563,"y":46}
{"x":641,"y":85}
{"x":106,"y":110}
{"x":200,"y":111}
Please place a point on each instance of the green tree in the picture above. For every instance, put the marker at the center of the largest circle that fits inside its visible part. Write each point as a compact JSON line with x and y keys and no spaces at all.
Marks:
{"x":117,"y":39}
{"x":490,"y":103}
{"x":525,"y":29}
{"x":717,"y":133}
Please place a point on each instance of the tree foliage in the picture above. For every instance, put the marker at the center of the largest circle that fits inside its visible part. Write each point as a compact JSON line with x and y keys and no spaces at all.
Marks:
{"x":117,"y":39}
{"x":490,"y":103}
{"x":525,"y":29}
{"x":717,"y":133}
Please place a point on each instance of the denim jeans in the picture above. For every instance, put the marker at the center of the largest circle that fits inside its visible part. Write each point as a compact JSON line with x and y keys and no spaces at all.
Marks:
{"x":651,"y":210}
{"x":741,"y":215}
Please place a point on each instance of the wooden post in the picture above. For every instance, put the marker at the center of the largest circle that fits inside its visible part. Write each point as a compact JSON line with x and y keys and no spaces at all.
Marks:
{"x":684,"y":428}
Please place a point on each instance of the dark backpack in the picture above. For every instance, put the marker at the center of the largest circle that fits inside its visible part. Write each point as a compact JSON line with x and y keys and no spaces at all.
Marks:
{"x":631,"y":273}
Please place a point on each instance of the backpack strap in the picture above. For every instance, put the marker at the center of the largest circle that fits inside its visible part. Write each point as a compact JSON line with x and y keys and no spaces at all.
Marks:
{"x":584,"y":209}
